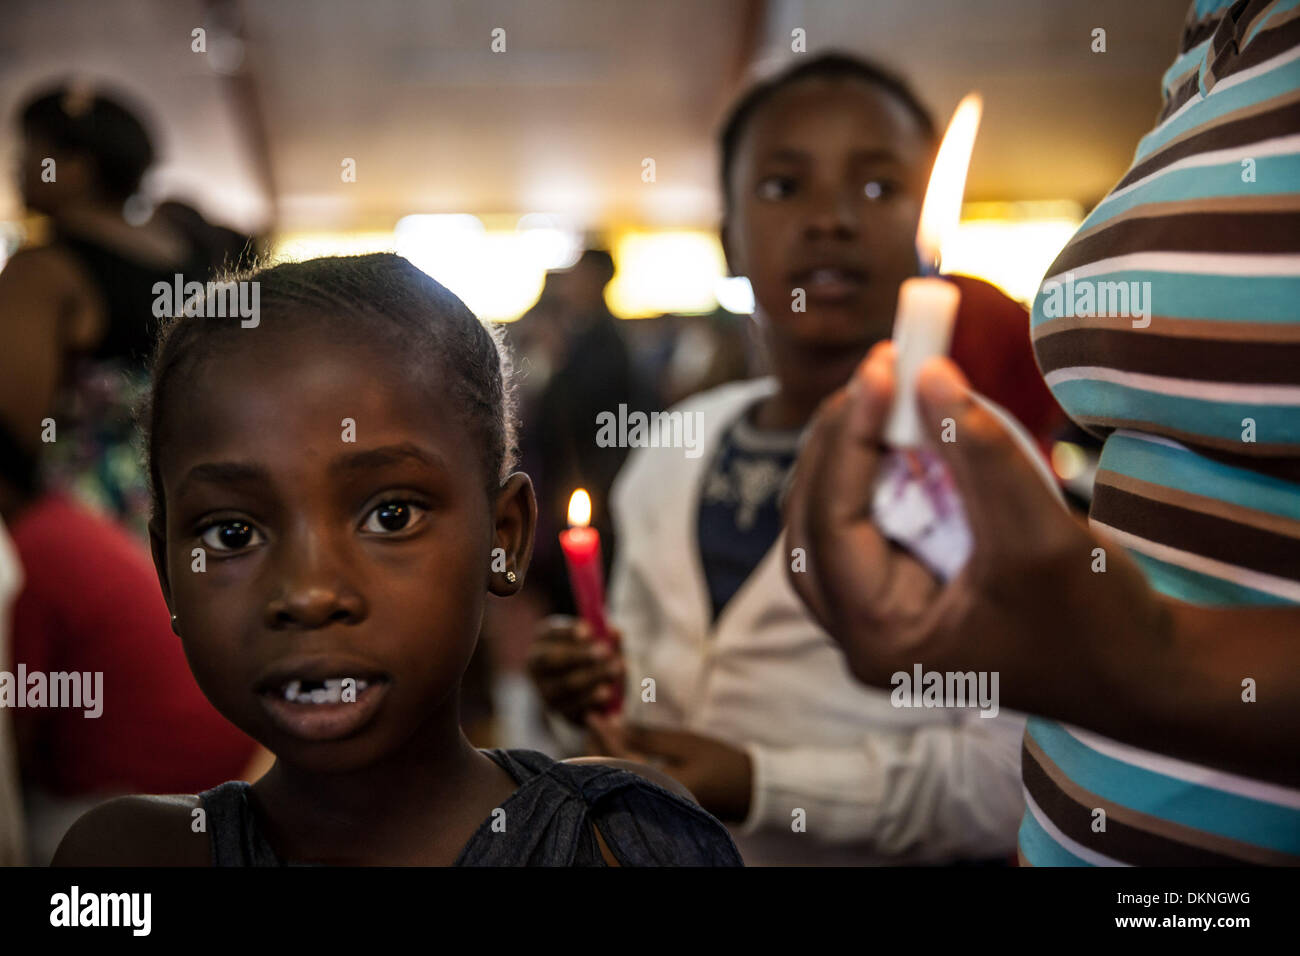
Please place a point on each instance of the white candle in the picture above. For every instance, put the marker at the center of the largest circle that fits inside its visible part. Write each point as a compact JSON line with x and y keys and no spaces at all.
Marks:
{"x":922,"y":329}
{"x":927,"y":306}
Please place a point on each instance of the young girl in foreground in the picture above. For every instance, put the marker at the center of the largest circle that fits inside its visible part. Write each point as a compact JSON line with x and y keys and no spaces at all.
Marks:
{"x":345,"y":465}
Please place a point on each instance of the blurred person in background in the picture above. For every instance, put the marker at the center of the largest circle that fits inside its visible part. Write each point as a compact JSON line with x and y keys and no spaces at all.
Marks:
{"x":86,"y":296}
{"x":75,"y":315}
{"x":13,"y":851}
{"x":671,"y":357}
{"x":594,"y":373}
{"x":823,"y":171}
{"x":575,"y":362}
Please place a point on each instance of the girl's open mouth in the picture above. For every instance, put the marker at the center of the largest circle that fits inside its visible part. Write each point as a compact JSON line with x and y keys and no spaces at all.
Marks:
{"x":831,"y":283}
{"x":325,"y":708}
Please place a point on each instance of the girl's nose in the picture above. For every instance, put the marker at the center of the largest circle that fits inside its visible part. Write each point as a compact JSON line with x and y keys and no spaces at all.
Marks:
{"x":314,"y":590}
{"x":834,"y":214}
{"x":313,"y":606}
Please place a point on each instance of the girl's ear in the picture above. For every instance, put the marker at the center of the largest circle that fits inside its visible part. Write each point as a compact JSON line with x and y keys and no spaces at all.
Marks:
{"x":515,"y":520}
{"x":158,"y":546}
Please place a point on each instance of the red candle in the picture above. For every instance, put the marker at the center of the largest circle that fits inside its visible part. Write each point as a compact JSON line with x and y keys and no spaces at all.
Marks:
{"x":581,"y":544}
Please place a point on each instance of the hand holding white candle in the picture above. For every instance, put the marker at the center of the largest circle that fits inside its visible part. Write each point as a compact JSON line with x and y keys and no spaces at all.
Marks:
{"x":916,"y":503}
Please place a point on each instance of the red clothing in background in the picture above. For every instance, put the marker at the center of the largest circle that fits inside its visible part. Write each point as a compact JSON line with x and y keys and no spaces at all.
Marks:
{"x":990,"y":343}
{"x":92,"y":603}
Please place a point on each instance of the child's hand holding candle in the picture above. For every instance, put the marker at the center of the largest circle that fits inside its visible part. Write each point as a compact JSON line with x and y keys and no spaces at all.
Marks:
{"x":581,"y":545}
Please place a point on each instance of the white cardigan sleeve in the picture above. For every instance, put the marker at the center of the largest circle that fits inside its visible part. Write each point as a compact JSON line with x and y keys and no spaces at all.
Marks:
{"x":933,"y":793}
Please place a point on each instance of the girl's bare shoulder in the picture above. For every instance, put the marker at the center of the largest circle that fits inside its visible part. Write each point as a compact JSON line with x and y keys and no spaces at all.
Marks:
{"x":167,"y":830}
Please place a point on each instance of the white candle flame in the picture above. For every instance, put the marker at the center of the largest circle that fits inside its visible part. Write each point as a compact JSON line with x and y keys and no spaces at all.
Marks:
{"x":942,"y":207}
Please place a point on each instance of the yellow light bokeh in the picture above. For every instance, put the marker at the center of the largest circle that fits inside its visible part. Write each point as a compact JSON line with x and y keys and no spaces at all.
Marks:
{"x":673,"y":270}
{"x":297,"y":246}
{"x":1011,"y":244}
{"x":499,"y":271}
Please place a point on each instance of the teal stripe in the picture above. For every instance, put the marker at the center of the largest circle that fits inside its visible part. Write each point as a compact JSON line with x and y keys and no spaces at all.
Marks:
{"x":1185,"y":470}
{"x":1182,"y":584}
{"x":1221,"y":102}
{"x":1184,"y":295}
{"x":1040,"y":849}
{"x":1279,"y":8}
{"x":1095,"y":399}
{"x":1274,"y":175}
{"x":1187,"y":61}
{"x":1201,"y":808}
{"x":1205,"y":7}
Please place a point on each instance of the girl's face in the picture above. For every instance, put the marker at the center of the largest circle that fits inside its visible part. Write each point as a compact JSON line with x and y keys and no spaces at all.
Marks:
{"x":826,"y":191}
{"x":340,"y":505}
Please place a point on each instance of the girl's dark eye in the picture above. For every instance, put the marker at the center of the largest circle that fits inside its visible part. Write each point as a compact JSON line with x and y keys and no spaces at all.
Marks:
{"x":775,"y":187}
{"x":392,"y":516}
{"x":230,"y":536}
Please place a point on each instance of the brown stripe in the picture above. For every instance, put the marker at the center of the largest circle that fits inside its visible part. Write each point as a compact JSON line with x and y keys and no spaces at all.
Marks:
{"x":1287,"y":469}
{"x":1288,"y":202}
{"x":1178,"y":82}
{"x":1255,"y":12}
{"x":1196,"y":32}
{"x":1189,"y":89}
{"x":1292,"y":14}
{"x":1131,"y":836}
{"x":1265,"y":521}
{"x":1137,"y":350}
{"x":1267,"y":458}
{"x":1172,"y":328}
{"x":1157,"y":827}
{"x":1262,"y":47}
{"x":1195,"y":532}
{"x":1244,"y":127}
{"x":1222,"y":232}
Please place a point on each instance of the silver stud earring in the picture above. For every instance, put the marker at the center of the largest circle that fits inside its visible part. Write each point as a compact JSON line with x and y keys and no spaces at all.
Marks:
{"x":511,"y":577}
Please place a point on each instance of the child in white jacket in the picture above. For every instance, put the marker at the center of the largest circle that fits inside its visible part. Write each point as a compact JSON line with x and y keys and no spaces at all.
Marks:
{"x":730,"y":686}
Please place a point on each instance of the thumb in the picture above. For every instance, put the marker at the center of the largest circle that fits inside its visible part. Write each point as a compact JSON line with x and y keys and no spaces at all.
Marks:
{"x":608,"y":733}
{"x":1002,"y":490}
{"x":662,"y":743}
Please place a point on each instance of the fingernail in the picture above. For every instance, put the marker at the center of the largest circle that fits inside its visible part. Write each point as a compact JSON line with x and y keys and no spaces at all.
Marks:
{"x":600,"y":650}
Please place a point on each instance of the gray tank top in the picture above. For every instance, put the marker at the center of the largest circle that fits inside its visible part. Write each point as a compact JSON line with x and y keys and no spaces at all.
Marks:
{"x":549,"y":821}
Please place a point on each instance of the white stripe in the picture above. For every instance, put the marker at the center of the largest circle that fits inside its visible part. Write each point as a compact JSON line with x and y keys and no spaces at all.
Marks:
{"x":1078,"y":849}
{"x":1178,"y":114}
{"x":1281,"y":265}
{"x":1268,"y":66}
{"x":1188,"y":772}
{"x":1153,"y":439}
{"x":1284,"y":588}
{"x":1282,"y":59}
{"x":1231,"y":155}
{"x":1244,"y":393}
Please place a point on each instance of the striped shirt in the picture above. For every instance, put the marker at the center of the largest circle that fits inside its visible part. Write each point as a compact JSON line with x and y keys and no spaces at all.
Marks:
{"x":1169,"y":326}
